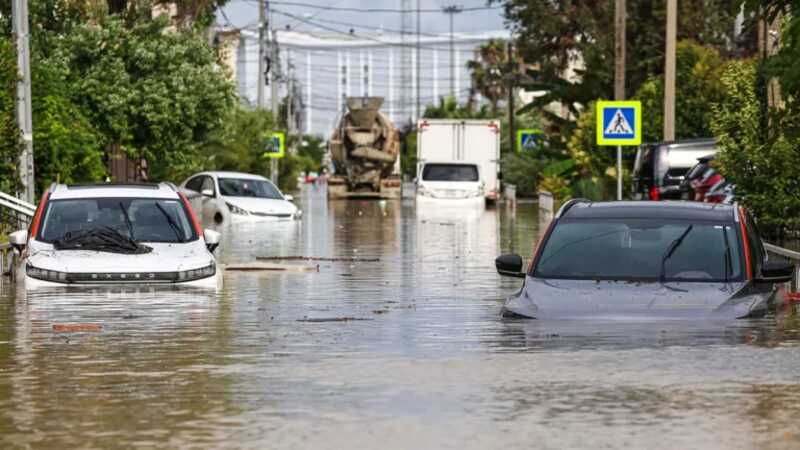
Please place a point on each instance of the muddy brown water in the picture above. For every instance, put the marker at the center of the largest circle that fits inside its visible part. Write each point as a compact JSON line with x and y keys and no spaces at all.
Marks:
{"x":406,"y":352}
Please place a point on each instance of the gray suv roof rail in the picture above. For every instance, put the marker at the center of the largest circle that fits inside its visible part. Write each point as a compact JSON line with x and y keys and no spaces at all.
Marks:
{"x":569,"y":204}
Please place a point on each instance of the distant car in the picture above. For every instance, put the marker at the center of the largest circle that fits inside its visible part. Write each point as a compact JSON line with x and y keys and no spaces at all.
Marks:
{"x":685,"y":260}
{"x":694,"y":174}
{"x":660,"y":168}
{"x":722,"y":192}
{"x":104,"y":234}
{"x":231,"y":197}
{"x":450,"y":183}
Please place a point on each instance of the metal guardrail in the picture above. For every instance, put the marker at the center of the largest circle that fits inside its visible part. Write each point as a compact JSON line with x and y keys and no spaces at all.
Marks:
{"x":17,"y":205}
{"x":792,"y":256}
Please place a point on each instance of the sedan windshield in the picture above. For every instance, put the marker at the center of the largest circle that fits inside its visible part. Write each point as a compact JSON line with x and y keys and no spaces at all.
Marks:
{"x":638,"y":249}
{"x":240,"y":187}
{"x":449,"y":172}
{"x":139,"y":219}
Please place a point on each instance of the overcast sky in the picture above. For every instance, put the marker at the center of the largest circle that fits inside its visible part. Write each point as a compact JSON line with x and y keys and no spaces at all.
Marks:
{"x":244,"y":13}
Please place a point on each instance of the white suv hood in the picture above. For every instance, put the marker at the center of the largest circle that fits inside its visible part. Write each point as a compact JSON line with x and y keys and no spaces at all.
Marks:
{"x":163,"y":258}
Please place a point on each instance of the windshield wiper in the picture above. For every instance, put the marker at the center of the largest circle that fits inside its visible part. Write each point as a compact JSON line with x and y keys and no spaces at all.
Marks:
{"x":105,"y":239}
{"x":728,"y":262}
{"x":172,"y":224}
{"x":127,"y":220}
{"x":670,"y":250}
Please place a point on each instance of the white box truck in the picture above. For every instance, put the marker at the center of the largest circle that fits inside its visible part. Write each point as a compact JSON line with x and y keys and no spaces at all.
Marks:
{"x":458,"y":161}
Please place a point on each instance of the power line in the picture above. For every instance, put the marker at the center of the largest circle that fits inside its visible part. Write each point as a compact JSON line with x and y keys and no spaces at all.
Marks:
{"x":366,"y":38}
{"x":375,"y":10}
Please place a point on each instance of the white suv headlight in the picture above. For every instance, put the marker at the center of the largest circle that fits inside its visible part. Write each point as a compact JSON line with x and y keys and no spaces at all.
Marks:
{"x":197,"y":274}
{"x":236,"y":210}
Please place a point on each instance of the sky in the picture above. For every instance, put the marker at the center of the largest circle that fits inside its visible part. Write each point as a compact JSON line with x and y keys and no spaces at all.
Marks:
{"x":319,"y":72}
{"x":244,"y":13}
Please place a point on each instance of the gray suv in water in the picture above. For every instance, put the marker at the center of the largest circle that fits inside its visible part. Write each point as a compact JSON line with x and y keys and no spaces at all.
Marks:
{"x":646,"y":259}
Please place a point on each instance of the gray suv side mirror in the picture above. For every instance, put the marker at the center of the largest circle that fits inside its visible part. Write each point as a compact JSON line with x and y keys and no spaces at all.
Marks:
{"x":509,"y":265}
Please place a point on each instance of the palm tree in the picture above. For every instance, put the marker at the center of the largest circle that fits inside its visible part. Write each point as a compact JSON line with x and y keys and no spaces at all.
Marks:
{"x":488,"y":71}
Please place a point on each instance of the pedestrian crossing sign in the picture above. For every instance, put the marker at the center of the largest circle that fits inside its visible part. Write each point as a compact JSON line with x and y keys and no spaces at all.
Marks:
{"x":619,"y":123}
{"x":529,"y":140}
{"x":274,"y":145}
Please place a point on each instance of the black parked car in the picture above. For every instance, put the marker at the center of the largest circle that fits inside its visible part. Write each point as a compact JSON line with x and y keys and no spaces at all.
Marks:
{"x":660,"y":168}
{"x":652,"y":259}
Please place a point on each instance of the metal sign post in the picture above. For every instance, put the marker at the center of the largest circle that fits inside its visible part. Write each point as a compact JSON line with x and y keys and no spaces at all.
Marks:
{"x":619,"y":123}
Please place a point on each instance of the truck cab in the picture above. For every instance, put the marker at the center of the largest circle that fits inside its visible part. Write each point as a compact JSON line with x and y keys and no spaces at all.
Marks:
{"x":450,"y":182}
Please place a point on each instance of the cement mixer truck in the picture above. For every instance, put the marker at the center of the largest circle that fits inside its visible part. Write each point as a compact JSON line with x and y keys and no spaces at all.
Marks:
{"x":365,"y":153}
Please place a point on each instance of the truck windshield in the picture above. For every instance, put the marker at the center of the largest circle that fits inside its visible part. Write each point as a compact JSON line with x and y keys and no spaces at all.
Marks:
{"x":140,"y":219}
{"x":239,"y":187}
{"x":636,"y":249}
{"x":450,"y":172}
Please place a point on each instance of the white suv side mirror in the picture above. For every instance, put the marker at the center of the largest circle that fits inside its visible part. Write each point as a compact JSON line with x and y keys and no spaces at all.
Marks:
{"x":212,"y":239}
{"x":288,"y":198}
{"x":18,"y":239}
{"x":207,"y":192}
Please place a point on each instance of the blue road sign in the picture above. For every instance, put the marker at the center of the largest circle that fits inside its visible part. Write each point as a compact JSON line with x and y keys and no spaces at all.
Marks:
{"x":619,"y":123}
{"x":529,"y":139}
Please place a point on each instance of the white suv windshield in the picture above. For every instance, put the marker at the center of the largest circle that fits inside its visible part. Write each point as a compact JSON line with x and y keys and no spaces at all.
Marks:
{"x":239,"y":187}
{"x":449,"y":172}
{"x":635,"y":249}
{"x":141,"y":219}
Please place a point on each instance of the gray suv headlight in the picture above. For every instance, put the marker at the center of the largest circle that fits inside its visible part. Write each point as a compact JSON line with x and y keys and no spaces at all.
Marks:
{"x":197,"y":274}
{"x":45,"y":275}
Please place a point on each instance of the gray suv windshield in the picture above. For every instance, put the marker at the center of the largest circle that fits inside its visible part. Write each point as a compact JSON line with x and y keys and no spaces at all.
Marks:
{"x":635,"y":249}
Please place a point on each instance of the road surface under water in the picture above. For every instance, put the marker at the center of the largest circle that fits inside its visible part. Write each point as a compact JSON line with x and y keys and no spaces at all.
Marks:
{"x":406,"y":352}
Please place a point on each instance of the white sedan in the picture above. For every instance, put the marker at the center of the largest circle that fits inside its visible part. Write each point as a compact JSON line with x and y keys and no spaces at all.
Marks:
{"x":232,"y":197}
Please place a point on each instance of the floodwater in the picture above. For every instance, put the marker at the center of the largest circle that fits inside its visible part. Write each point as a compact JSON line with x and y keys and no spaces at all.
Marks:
{"x":406,"y":352}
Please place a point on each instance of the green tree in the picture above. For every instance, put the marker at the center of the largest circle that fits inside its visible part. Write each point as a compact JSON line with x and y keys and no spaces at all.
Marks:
{"x":154,"y":93}
{"x":9,"y":132}
{"x":761,"y":164}
{"x":564,"y":36}
{"x":698,"y":79}
{"x":488,"y":70}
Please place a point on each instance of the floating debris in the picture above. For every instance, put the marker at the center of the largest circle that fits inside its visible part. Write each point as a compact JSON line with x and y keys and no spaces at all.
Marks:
{"x":332,"y":319}
{"x":316,"y":258}
{"x":77,"y":327}
{"x":260,"y":266}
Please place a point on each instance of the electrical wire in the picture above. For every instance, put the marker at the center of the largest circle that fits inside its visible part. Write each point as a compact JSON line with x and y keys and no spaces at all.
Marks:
{"x":374,"y":10}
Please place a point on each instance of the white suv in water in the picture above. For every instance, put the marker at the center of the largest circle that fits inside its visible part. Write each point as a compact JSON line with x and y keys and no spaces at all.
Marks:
{"x":116,"y":234}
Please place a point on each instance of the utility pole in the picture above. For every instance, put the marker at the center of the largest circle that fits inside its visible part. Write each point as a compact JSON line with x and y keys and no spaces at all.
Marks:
{"x":261,"y":55}
{"x":274,"y":99}
{"x":452,"y":10}
{"x":19,"y":14}
{"x":418,"y":112}
{"x":619,"y":74}
{"x":512,"y":75}
{"x":669,"y":71}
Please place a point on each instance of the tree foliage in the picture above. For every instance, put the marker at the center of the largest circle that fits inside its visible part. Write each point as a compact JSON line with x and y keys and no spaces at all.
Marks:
{"x":761,"y":164}
{"x":9,"y":132}
{"x":560,"y":36}
{"x":698,"y":73}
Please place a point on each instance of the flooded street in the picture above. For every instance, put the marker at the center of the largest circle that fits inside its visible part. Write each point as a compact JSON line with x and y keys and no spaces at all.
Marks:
{"x":406,"y":352}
